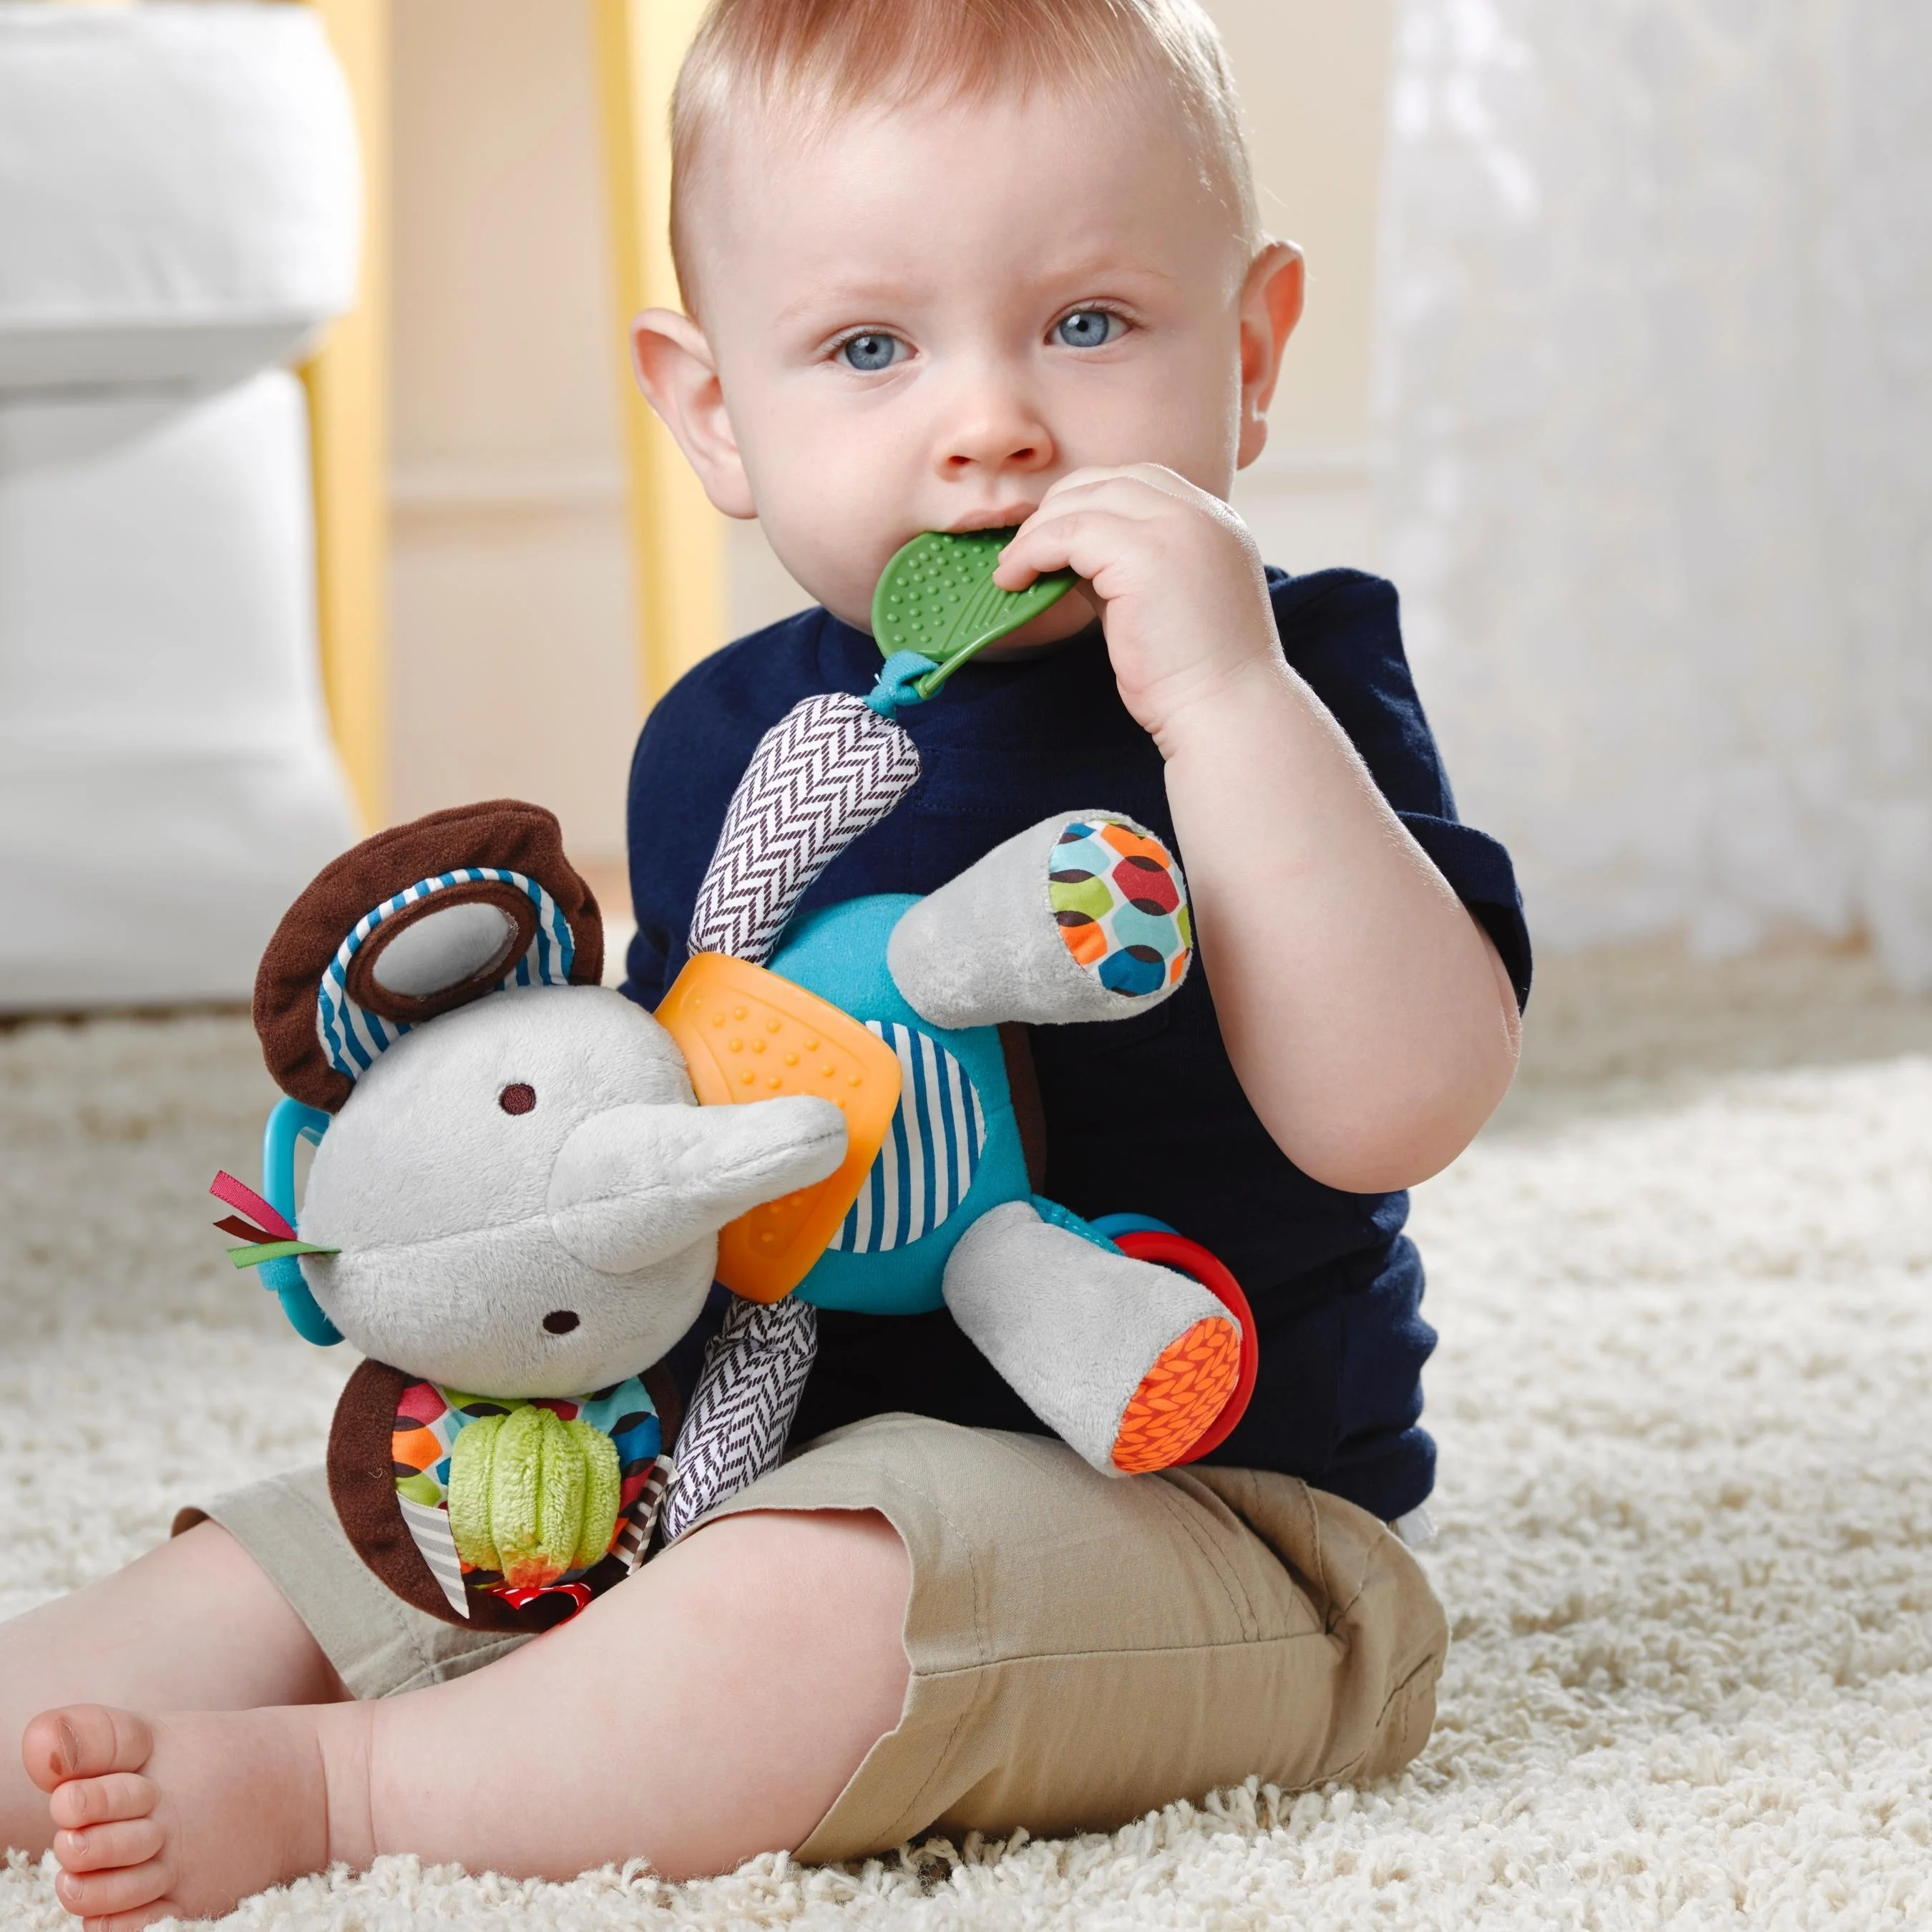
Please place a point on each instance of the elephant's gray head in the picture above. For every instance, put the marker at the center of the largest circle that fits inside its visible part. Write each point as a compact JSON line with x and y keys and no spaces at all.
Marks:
{"x":526,"y":1197}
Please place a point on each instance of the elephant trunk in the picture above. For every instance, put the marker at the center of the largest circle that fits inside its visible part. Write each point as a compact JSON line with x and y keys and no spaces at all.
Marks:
{"x":636,"y":1184}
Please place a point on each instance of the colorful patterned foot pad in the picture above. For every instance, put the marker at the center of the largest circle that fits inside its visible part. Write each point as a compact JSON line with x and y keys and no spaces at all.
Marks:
{"x":1121,"y":904}
{"x":1179,"y":1397}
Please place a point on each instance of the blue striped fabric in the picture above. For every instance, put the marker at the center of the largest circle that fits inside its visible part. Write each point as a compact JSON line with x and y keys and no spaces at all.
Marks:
{"x":351,"y":1036}
{"x":927,"y":1163}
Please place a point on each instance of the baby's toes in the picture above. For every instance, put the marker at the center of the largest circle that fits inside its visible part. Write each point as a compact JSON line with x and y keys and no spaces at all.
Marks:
{"x":83,"y":1741}
{"x":128,"y":1841}
{"x":109,"y":1894}
{"x":83,"y":1801}
{"x":135,"y":1921}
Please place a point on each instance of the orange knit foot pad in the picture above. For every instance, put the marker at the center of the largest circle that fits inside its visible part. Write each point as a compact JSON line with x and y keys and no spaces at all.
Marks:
{"x":1188,"y":1386}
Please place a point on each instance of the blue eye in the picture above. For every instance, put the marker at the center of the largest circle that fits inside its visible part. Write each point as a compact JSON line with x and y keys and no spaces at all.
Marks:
{"x":1088,"y":328}
{"x":867,"y":353}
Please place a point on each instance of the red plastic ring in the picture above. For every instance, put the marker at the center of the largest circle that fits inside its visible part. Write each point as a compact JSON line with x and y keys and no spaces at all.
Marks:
{"x":1191,"y":1258}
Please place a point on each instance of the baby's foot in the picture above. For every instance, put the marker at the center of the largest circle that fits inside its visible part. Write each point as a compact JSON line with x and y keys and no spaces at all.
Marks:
{"x":185,"y":1814}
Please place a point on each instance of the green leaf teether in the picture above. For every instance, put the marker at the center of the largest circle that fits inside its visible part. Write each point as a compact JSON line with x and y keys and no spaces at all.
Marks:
{"x":937,"y":597}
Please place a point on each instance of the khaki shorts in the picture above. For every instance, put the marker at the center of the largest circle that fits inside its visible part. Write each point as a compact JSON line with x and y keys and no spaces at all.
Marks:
{"x":1084,"y":1650}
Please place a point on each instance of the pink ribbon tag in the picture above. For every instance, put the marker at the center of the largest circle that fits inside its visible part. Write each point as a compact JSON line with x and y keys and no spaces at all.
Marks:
{"x":233,"y":1193}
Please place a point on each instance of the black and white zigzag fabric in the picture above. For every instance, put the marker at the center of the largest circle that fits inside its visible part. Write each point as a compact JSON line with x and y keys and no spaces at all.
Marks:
{"x":830,"y":769}
{"x":741,"y":1412}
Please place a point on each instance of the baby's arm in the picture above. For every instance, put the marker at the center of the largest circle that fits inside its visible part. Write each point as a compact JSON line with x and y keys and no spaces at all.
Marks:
{"x":1368,"y":1016}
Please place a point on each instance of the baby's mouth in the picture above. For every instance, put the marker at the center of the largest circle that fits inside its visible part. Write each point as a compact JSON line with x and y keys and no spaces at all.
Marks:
{"x":1008,"y":518}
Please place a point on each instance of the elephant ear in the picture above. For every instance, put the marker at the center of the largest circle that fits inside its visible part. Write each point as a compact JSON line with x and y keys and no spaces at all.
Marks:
{"x":419,"y":918}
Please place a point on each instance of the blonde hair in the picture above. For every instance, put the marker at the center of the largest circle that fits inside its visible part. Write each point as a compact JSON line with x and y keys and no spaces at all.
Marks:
{"x":809,"y":60}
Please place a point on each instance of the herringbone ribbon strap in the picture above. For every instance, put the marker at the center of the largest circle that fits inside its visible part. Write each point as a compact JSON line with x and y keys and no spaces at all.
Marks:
{"x":827,"y":770}
{"x":741,"y":1412}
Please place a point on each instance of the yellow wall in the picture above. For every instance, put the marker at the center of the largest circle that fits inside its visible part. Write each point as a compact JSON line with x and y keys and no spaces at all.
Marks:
{"x":512,"y":670}
{"x":1313,"y":74}
{"x":348,"y":382}
{"x":513,"y":666}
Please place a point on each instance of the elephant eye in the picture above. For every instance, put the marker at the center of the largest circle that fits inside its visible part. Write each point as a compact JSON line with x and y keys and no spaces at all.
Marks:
{"x":518,"y":1098}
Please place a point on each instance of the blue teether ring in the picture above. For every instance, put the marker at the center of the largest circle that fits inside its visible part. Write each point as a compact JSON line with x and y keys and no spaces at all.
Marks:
{"x":291,"y":1122}
{"x":1115,"y":1225}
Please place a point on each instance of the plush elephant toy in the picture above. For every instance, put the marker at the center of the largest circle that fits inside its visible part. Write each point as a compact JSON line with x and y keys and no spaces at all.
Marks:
{"x":517,"y":1204}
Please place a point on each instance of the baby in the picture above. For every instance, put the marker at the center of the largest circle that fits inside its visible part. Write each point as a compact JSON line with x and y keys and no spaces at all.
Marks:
{"x":950,"y":268}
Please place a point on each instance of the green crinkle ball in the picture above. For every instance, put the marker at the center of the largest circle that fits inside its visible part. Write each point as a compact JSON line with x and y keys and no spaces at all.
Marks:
{"x":532,"y":1496}
{"x":536,"y":1497}
{"x":468,"y":1500}
{"x":603,"y":1485}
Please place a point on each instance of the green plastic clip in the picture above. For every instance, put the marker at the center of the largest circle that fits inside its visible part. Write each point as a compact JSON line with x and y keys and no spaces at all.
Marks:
{"x":937,"y":597}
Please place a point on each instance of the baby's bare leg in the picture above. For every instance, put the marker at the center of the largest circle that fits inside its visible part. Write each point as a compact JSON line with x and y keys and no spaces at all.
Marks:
{"x":193,"y":1626}
{"x":711,"y":1707}
{"x":715,"y":1708}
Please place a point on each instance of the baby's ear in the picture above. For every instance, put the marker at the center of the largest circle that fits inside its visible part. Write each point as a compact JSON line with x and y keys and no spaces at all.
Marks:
{"x":1271,"y":301}
{"x":679,"y":375}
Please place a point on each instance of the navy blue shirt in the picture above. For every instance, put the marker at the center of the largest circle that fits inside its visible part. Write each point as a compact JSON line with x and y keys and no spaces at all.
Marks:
{"x":1143,"y":1115}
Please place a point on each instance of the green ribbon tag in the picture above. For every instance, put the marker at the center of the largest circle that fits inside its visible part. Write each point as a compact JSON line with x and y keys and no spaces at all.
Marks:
{"x":937,"y":597}
{"x":253,"y":1256}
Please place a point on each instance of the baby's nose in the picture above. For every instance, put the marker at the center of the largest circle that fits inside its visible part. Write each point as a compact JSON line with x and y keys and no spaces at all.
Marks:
{"x":995,"y":428}
{"x":998,"y":453}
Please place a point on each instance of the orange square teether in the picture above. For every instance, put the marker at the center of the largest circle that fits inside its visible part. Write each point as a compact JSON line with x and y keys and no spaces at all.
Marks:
{"x":746,"y":1034}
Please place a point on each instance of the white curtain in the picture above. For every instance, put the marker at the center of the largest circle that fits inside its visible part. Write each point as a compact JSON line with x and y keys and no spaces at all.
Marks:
{"x":1655,"y":405}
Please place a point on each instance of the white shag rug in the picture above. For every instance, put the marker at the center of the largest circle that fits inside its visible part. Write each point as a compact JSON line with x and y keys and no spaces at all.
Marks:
{"x":1685,"y":1402}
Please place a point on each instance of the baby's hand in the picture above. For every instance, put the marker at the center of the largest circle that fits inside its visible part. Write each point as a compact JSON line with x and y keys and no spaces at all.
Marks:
{"x":1182,"y":597}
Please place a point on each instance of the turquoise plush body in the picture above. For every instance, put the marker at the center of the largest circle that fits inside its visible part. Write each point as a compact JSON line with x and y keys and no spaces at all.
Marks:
{"x":887,"y":1268}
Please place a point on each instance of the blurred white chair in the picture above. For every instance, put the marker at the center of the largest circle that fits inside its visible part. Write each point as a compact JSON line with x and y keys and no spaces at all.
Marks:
{"x":179,"y":216}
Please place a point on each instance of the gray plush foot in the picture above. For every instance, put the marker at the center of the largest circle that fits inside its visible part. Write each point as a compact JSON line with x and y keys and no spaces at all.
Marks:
{"x":1088,"y":1337}
{"x":1083,"y":916}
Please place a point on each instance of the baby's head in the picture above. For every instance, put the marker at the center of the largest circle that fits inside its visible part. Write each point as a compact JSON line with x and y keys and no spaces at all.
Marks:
{"x":938,"y":253}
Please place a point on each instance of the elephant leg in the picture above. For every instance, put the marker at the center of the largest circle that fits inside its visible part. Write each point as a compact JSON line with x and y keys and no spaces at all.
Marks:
{"x":1129,"y":1362}
{"x":1083,"y":916}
